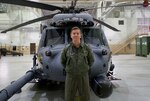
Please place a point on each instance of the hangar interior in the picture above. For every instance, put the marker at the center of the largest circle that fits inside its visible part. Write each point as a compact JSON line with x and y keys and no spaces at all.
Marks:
{"x":123,"y":42}
{"x":131,"y":62}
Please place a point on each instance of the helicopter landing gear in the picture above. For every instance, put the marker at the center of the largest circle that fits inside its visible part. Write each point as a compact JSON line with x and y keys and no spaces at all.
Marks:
{"x":34,"y":59}
{"x":42,"y":82}
{"x":110,"y":73}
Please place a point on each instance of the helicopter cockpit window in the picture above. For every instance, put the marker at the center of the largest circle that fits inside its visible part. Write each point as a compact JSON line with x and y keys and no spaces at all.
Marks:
{"x":93,"y":36}
{"x":54,"y":37}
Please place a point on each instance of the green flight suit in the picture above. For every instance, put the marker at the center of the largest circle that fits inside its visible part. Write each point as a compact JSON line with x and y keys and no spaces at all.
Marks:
{"x":77,"y":62}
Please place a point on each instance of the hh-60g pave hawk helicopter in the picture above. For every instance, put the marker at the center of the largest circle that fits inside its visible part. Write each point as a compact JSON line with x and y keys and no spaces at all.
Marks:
{"x":55,"y":37}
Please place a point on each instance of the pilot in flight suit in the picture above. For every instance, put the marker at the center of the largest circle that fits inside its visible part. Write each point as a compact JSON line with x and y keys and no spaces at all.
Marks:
{"x":77,"y":58}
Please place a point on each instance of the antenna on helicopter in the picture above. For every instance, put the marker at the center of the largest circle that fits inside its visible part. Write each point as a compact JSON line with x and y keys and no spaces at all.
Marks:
{"x":73,"y":4}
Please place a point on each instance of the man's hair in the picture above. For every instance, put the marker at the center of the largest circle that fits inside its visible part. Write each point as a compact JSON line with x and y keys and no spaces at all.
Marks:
{"x":75,"y":28}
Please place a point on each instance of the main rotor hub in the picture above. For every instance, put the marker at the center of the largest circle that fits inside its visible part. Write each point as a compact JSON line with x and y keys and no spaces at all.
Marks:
{"x":72,"y":9}
{"x":78,"y":19}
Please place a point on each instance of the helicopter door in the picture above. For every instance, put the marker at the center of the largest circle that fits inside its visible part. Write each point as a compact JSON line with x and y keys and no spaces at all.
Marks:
{"x":32,"y":48}
{"x":93,"y":36}
{"x":68,"y":35}
{"x":54,"y":37}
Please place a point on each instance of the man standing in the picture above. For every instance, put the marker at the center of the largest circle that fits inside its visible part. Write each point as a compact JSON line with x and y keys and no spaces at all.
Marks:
{"x":77,"y":58}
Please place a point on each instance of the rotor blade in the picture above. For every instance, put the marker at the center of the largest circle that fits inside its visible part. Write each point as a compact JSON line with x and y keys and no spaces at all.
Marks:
{"x":121,"y":5}
{"x":125,"y":5}
{"x":30,"y":22}
{"x":103,"y":23}
{"x":31,"y":4}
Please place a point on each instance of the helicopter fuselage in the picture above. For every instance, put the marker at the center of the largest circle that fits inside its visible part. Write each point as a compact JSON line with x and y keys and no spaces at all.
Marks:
{"x":57,"y":36}
{"x":54,"y":39}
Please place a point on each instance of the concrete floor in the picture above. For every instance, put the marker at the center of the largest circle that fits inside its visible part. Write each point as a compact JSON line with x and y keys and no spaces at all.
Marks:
{"x":134,"y":86}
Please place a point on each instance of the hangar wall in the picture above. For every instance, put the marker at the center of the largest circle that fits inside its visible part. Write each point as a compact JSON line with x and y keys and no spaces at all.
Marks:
{"x":21,"y":37}
{"x":132,"y":17}
{"x":30,"y":34}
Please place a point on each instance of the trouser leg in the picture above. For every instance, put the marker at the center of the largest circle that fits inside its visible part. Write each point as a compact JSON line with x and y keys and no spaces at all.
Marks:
{"x":84,"y":88}
{"x":70,"y":88}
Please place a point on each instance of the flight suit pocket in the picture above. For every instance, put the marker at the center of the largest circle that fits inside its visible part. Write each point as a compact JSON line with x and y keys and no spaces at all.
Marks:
{"x":85,"y":57}
{"x":68,"y":61}
{"x":86,"y":61}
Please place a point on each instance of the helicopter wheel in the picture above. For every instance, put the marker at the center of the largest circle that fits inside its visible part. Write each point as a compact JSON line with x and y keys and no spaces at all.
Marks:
{"x":42,"y":82}
{"x":45,"y":82}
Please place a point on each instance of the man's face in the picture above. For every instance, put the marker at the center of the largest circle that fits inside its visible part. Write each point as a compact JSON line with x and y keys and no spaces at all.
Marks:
{"x":75,"y":35}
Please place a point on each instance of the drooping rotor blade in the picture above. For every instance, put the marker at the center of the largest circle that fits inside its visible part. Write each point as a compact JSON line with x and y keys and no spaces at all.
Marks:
{"x":121,"y":5}
{"x":105,"y":24}
{"x":125,"y":5}
{"x":30,"y":22}
{"x":32,"y":4}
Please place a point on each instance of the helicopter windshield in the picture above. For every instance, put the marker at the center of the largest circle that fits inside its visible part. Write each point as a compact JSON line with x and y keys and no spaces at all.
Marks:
{"x":54,"y":37}
{"x":93,"y":36}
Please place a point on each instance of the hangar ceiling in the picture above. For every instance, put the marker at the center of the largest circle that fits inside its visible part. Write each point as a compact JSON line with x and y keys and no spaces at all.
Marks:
{"x":9,"y":13}
{"x":82,"y":1}
{"x":10,"y":19}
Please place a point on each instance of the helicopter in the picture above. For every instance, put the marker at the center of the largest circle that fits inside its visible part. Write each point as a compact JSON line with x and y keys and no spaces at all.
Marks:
{"x":54,"y":37}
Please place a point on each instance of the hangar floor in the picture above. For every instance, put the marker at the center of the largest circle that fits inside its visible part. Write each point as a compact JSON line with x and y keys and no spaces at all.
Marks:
{"x":134,"y":86}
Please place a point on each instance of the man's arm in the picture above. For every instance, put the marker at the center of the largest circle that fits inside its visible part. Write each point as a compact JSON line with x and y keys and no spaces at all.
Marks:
{"x":63,"y":57}
{"x":90,"y":56}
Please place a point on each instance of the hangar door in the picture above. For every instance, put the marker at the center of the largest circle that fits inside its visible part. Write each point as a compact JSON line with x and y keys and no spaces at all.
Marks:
{"x":32,"y":48}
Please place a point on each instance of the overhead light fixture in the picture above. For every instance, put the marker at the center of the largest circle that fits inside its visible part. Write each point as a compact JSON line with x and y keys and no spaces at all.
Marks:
{"x":33,"y":0}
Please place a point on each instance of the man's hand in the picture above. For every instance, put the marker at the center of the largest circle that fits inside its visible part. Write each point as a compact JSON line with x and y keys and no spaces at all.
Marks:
{"x":89,"y":72}
{"x":64,"y":72}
